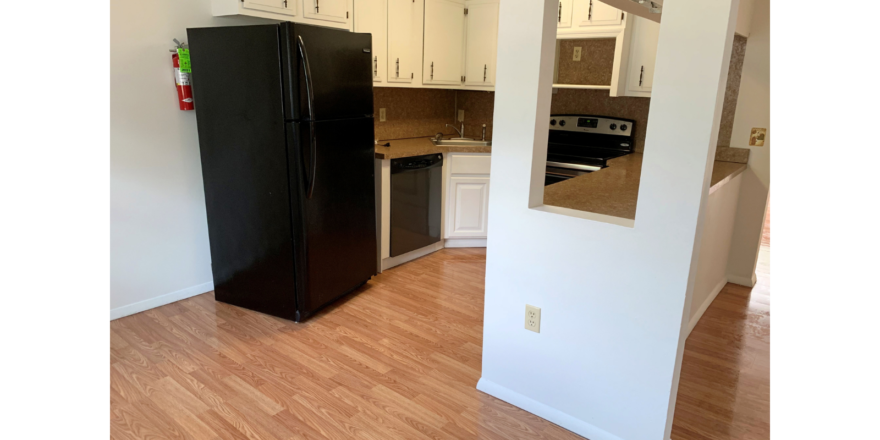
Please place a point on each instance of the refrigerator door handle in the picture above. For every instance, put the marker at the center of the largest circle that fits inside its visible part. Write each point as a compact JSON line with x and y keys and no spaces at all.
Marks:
{"x":311,"y":103}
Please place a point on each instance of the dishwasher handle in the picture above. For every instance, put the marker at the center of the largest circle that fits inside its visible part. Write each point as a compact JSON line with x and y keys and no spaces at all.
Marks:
{"x":417,"y":163}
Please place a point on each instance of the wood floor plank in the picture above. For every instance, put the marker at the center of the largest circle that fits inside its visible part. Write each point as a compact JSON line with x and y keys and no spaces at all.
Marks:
{"x":254,"y":395}
{"x":397,"y":360}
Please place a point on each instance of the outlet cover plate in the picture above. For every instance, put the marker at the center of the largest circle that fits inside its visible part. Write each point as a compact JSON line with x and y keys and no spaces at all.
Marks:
{"x":533,"y":318}
{"x":460,"y":117}
{"x":577,"y":54}
{"x":381,"y":115}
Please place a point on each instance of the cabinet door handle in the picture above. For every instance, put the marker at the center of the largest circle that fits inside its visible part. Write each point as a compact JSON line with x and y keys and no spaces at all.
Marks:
{"x":397,"y":71}
{"x":285,"y":3}
{"x":317,"y":6}
{"x":589,"y":13}
{"x":641,"y":74}
{"x":432,"y":70}
{"x":484,"y":72}
{"x":375,"y":66}
{"x":559,"y":20}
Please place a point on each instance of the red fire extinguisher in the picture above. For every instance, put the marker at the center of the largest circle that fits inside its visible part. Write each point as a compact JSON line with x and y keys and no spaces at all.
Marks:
{"x":182,"y":72}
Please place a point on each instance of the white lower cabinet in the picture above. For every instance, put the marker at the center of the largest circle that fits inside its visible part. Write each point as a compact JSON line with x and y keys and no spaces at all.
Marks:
{"x":468,"y":208}
{"x":467,"y":199}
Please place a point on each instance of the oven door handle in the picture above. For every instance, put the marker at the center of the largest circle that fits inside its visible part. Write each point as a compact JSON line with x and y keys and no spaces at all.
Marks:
{"x":573,"y":166}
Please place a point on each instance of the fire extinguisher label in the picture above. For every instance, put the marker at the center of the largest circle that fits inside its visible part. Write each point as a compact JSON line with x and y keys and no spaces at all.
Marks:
{"x":183,"y":55}
{"x":181,"y":78}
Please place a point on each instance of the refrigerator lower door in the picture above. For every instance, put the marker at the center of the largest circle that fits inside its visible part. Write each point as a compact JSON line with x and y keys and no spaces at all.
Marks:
{"x":340,"y":71}
{"x":334,"y":228}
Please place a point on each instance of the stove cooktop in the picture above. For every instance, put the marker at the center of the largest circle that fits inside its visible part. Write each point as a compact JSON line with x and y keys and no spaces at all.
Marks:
{"x":588,"y":139}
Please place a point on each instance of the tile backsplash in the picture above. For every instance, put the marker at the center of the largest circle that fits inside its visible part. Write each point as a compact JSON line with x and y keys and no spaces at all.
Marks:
{"x":424,"y":112}
{"x":598,"y":103}
{"x":595,"y":66}
{"x":413,"y":112}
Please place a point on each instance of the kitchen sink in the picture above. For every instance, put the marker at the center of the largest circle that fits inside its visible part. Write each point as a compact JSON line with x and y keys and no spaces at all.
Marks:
{"x":461,"y":143}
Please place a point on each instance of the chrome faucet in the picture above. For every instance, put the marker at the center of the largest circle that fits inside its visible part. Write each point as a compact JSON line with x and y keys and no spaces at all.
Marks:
{"x":459,"y":131}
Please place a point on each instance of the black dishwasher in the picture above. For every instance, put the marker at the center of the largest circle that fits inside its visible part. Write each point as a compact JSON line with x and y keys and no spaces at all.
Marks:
{"x":415,"y":202}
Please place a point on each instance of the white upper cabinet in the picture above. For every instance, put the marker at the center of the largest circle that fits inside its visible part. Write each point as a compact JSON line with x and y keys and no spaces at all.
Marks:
{"x":482,"y":39}
{"x":563,"y":13}
{"x":596,"y":13}
{"x":404,"y":40}
{"x":326,"y":10}
{"x":330,"y":13}
{"x":371,"y":18}
{"x":642,"y":57}
{"x":283,"y":7}
{"x":444,"y":42}
{"x":588,"y":19}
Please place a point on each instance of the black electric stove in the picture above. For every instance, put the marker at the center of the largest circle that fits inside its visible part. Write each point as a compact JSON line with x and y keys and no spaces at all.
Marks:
{"x":580,"y":144}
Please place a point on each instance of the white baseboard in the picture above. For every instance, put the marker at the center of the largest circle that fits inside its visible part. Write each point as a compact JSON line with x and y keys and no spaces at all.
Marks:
{"x":161,"y":300}
{"x":743,"y":281}
{"x":703,"y":307}
{"x":390,"y":262}
{"x":465,"y":242}
{"x":539,"y":409}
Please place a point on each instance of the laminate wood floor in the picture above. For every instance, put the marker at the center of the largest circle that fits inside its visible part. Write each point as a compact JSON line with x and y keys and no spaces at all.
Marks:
{"x":724,"y":392}
{"x":398,"y":360}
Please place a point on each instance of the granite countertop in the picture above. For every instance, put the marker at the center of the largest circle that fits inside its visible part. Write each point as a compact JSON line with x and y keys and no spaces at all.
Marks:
{"x":614,"y":190}
{"x":420,"y":146}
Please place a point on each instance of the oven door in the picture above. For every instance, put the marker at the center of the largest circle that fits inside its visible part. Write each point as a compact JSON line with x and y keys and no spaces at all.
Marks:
{"x":559,"y":172}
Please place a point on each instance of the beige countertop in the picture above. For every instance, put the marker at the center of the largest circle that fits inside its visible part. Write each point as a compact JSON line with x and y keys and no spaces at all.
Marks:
{"x":614,"y":190}
{"x":420,"y":146}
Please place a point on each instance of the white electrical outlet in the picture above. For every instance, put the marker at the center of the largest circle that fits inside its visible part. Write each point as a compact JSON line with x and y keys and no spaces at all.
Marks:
{"x":533,"y":318}
{"x":381,"y":115}
{"x":577,"y":54}
{"x":460,"y":116}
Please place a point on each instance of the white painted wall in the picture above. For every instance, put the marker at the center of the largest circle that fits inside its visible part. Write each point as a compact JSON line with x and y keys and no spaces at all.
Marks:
{"x":158,"y":230}
{"x":752,"y":110}
{"x":714,"y":247}
{"x":614,"y":299}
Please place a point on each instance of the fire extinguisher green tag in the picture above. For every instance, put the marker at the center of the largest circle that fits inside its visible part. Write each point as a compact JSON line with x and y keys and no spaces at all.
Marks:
{"x":183,"y":55}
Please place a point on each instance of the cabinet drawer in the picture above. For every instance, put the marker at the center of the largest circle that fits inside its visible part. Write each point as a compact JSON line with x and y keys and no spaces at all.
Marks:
{"x":469,"y":164}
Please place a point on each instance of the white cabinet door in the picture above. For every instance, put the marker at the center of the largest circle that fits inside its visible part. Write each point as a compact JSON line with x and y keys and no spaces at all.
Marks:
{"x":404,"y":40}
{"x":444,"y":42}
{"x":643,"y":55}
{"x":468,"y":214}
{"x":596,"y":13}
{"x":371,"y":17}
{"x":482,"y":40}
{"x":288,"y":7}
{"x":563,"y":13}
{"x":328,"y":10}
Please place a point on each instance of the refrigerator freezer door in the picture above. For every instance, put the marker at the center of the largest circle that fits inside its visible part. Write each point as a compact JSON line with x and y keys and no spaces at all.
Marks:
{"x":334,"y":229}
{"x":340,"y":71}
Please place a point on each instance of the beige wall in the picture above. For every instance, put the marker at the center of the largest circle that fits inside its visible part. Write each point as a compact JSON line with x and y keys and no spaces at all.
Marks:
{"x":753,"y":110}
{"x":158,"y":229}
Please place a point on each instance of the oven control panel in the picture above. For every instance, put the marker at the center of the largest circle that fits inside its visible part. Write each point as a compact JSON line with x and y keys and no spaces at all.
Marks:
{"x":592,"y":124}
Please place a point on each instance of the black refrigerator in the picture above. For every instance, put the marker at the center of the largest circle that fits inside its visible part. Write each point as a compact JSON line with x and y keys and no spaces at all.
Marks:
{"x":285,"y":123}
